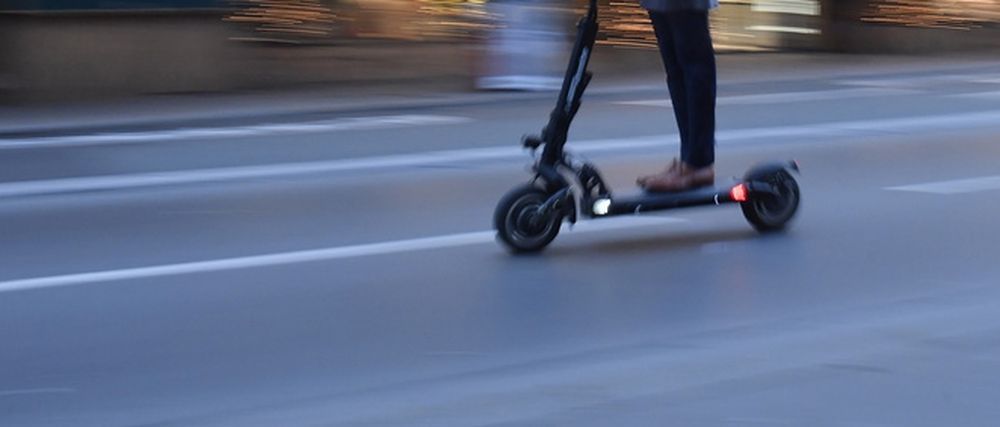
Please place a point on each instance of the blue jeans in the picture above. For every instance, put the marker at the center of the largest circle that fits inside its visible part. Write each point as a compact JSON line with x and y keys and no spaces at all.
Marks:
{"x":689,"y":59}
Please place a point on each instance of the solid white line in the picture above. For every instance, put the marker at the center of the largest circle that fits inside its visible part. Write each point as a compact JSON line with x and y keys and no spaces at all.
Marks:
{"x":335,"y":125}
{"x":959,"y":186}
{"x":326,"y":254}
{"x":776,"y":98}
{"x":115,"y":182}
{"x":767,"y":135}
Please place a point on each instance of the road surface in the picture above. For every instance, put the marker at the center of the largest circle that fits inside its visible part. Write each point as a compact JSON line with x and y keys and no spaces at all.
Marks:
{"x":340,"y":270}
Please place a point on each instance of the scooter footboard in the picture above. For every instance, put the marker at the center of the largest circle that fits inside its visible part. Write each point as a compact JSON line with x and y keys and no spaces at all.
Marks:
{"x":649,"y":201}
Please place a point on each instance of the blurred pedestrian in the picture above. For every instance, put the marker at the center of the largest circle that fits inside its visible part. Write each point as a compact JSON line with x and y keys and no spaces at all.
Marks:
{"x":685,"y":44}
{"x":521,"y":48}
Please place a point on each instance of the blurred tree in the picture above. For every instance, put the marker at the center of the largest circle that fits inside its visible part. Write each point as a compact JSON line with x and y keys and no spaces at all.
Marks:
{"x":951,"y":14}
{"x":625,"y":23}
{"x":450,"y":19}
{"x":294,"y":21}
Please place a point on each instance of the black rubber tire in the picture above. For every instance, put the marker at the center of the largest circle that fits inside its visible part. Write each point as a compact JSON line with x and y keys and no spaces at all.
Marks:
{"x":770,"y":214}
{"x":512,"y":216}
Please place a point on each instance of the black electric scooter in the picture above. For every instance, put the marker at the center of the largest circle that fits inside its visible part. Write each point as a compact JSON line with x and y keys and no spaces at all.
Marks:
{"x":529,"y":216}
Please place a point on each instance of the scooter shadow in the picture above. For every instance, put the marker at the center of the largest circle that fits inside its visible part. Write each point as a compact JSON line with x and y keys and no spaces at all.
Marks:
{"x":658,"y":242}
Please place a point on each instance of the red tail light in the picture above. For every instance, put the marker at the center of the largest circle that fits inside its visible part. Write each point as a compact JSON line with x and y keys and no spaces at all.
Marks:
{"x":739,"y":193}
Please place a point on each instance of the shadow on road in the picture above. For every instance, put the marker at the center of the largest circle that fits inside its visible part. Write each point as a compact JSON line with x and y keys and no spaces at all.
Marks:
{"x":656,"y":242}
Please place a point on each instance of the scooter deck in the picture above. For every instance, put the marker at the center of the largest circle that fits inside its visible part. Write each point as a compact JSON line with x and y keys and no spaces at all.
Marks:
{"x":656,"y":201}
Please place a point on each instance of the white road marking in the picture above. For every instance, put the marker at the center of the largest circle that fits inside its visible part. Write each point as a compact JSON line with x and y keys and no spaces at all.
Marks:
{"x":326,"y":254}
{"x":959,"y":186}
{"x":766,"y":134}
{"x":777,"y":98}
{"x":924,"y":80}
{"x":28,"y":391}
{"x":335,"y":125}
{"x":115,"y":182}
{"x":980,"y":95}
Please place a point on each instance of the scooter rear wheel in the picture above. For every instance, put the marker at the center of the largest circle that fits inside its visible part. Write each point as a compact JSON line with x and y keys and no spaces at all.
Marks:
{"x":771,"y":212}
{"x":519,"y":225}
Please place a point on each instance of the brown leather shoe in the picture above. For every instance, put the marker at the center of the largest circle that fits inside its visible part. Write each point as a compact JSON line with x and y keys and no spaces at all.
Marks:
{"x":686,"y":178}
{"x":672,"y":169}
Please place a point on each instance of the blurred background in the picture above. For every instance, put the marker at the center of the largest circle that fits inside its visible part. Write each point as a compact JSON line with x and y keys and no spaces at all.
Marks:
{"x":91,"y":48}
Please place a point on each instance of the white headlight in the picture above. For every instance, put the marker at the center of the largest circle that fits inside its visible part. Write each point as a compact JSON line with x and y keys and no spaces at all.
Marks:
{"x":602,"y":206}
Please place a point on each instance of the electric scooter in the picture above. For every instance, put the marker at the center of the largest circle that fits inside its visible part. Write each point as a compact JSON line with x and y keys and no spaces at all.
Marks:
{"x":530,"y":216}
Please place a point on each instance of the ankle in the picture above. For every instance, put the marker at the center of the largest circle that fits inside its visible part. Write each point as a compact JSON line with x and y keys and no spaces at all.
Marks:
{"x":689,"y":168}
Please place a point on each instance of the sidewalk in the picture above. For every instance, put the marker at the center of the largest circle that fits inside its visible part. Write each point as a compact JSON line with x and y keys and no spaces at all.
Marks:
{"x":617,"y":71}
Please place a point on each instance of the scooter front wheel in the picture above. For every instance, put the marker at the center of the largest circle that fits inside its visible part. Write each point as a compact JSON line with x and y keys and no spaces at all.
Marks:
{"x":519,"y":224}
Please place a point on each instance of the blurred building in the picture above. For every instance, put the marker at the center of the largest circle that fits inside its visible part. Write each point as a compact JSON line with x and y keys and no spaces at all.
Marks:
{"x":86,"y":48}
{"x":841,"y":25}
{"x":738,"y":25}
{"x":915,"y":26}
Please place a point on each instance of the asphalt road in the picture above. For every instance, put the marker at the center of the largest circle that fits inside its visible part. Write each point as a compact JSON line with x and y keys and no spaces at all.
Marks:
{"x":327,"y":271}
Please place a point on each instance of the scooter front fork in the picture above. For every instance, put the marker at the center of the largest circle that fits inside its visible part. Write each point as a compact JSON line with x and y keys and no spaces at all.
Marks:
{"x":559,"y":203}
